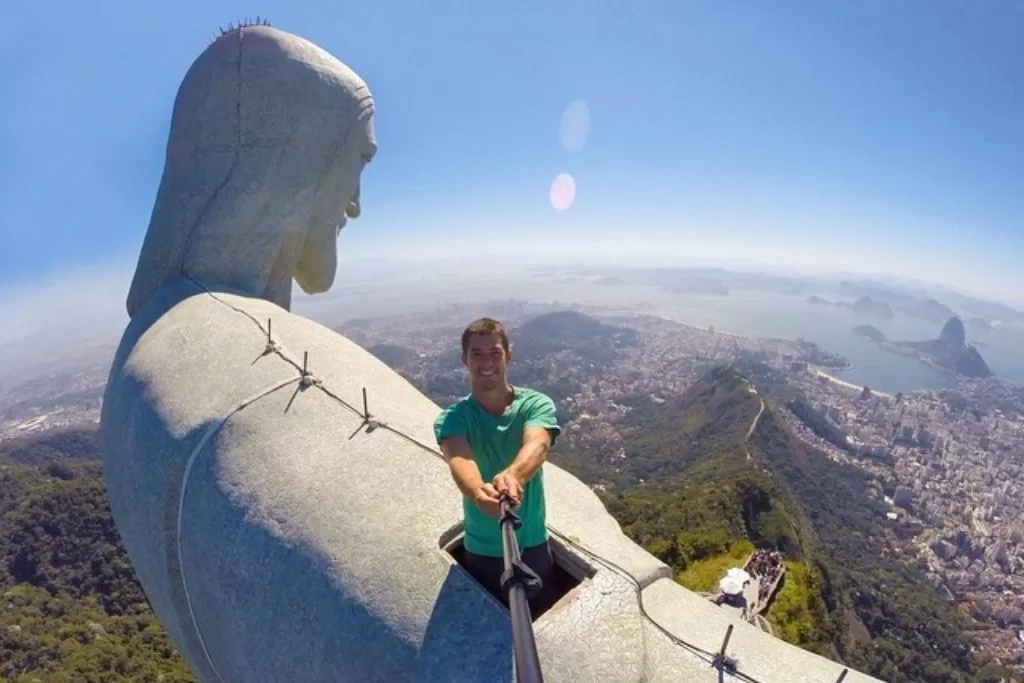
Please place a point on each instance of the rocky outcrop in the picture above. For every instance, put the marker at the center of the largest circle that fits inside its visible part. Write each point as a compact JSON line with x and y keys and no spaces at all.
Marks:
{"x":950,"y":352}
{"x":953,"y":334}
{"x":970,"y":363}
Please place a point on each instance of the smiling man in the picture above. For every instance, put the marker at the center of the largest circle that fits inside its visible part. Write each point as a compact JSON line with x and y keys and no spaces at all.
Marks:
{"x":496,"y":440}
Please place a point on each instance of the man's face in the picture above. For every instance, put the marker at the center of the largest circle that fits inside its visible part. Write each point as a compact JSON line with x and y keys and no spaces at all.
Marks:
{"x":487,"y":362}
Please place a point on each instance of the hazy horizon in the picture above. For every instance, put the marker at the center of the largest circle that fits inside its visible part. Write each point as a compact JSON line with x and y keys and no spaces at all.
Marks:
{"x":876,"y":139}
{"x":88,"y":304}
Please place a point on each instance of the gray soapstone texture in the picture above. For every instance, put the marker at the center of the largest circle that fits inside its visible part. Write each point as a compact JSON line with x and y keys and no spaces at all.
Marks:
{"x":277,"y":537}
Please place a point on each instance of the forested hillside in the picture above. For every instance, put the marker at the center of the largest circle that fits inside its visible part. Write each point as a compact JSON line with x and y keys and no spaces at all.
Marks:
{"x":710,"y":494}
{"x":73,"y":611}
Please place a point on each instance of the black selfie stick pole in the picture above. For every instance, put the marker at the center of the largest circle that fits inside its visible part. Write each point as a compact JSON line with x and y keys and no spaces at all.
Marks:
{"x":518,"y":582}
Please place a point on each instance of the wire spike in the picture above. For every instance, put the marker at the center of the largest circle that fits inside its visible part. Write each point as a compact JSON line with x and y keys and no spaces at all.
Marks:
{"x":725,"y":643}
{"x":721,"y":660}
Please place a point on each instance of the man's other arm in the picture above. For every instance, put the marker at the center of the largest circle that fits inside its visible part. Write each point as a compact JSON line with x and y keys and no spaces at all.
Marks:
{"x":450,"y":432}
{"x":467,"y":477}
{"x":464,"y":469}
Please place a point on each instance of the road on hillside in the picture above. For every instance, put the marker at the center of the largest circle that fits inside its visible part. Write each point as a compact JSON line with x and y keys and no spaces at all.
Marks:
{"x":753,"y":425}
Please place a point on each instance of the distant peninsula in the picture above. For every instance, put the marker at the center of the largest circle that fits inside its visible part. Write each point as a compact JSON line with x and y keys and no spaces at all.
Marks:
{"x":862,"y":306}
{"x":932,"y":310}
{"x":950,"y":352}
{"x":869,"y":331}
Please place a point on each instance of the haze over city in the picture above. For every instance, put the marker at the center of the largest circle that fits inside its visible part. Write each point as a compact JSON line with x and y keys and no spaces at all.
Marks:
{"x":878,"y":138}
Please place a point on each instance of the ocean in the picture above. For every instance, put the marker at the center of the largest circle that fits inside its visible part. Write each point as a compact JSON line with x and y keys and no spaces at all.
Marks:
{"x":746,"y":312}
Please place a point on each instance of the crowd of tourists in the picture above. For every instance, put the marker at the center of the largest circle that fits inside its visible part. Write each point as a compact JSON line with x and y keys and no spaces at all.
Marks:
{"x":767,"y":565}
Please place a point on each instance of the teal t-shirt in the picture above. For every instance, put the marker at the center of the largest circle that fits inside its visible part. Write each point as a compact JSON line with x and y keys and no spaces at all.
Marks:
{"x":495,"y":442}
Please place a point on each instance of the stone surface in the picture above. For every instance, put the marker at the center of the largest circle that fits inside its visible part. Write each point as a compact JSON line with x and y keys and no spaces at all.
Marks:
{"x":278,"y":534}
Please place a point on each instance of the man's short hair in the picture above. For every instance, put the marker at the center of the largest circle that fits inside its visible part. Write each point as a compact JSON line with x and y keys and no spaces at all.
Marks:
{"x":484,"y":326}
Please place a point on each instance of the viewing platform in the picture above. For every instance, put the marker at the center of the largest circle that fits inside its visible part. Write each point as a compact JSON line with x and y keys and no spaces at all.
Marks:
{"x":748,"y":592}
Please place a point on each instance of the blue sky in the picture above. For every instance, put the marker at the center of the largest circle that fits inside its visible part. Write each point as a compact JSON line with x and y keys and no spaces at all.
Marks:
{"x":875,"y":136}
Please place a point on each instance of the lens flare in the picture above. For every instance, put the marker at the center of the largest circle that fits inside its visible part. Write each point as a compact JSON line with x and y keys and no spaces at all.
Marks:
{"x":563,"y":192}
{"x":575,"y":126}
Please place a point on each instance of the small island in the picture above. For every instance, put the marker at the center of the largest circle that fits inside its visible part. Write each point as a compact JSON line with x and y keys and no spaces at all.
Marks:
{"x":950,"y":352}
{"x":862,"y":306}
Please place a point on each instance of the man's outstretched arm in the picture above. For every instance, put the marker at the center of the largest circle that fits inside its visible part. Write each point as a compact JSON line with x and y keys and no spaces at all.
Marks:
{"x":538,"y":436}
{"x":466,"y":474}
{"x":532,"y":454}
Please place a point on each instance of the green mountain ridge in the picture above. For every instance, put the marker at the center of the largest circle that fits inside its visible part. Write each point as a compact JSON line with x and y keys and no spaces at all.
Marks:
{"x":709,"y":489}
{"x":75,"y":612}
{"x":555,"y":352}
{"x":544,"y":336}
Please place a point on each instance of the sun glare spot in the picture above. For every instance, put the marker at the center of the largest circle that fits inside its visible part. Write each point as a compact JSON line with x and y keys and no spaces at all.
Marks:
{"x":575,"y":126}
{"x":563,"y":192}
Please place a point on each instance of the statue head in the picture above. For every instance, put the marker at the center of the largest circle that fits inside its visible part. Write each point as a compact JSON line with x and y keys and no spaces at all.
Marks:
{"x":269,"y":135}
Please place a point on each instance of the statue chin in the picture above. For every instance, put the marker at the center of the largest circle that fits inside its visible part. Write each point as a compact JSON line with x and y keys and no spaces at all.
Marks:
{"x":318,"y":264}
{"x":314,"y":282}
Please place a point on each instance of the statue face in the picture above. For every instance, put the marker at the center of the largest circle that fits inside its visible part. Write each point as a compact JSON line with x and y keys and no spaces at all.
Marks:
{"x":368,"y":151}
{"x":338,"y":201}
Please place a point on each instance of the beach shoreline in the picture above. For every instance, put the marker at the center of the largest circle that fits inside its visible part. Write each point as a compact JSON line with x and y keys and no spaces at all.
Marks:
{"x":821,"y":372}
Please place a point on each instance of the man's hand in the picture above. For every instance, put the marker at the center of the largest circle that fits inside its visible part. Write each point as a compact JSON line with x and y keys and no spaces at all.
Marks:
{"x":506,"y":482}
{"x":486,"y":498}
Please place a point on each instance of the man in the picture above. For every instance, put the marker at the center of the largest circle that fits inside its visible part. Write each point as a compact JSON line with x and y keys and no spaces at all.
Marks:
{"x":496,"y":440}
